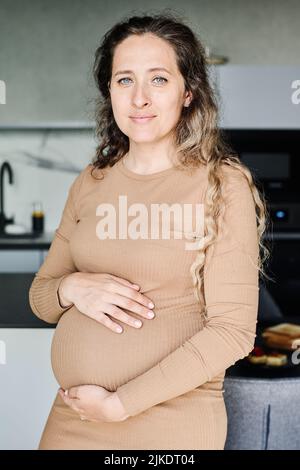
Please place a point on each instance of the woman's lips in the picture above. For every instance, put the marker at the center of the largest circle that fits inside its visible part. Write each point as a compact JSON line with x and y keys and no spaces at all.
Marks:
{"x":142,"y":120}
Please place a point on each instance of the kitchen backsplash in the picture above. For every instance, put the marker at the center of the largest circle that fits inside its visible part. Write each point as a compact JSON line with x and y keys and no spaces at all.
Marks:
{"x":44,"y":164}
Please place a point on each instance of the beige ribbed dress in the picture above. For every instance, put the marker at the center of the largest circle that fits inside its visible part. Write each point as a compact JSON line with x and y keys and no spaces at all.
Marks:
{"x":169,"y":373}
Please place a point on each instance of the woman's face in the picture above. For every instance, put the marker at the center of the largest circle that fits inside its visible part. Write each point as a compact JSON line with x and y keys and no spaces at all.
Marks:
{"x":136,"y":90}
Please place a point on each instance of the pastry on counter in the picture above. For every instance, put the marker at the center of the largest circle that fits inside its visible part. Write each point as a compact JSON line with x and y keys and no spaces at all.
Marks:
{"x":276,"y":359}
{"x":261,"y":357}
{"x":257,"y":356}
{"x":283,"y":335}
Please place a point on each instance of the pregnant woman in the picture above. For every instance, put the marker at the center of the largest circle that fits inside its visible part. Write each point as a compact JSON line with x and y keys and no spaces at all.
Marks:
{"x":128,"y":379}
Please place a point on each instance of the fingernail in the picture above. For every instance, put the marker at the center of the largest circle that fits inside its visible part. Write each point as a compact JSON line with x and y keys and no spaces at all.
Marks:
{"x":66,"y":392}
{"x":151,"y":304}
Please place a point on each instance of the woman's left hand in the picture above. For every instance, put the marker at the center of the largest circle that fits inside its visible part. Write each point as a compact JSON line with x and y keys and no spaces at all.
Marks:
{"x":94,"y":403}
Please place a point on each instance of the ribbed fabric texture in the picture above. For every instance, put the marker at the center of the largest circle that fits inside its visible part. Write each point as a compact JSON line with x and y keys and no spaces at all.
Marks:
{"x":176,"y":355}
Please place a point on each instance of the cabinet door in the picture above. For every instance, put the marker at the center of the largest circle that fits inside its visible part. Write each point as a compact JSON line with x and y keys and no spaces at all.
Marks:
{"x":27,"y":386}
{"x":17,"y":261}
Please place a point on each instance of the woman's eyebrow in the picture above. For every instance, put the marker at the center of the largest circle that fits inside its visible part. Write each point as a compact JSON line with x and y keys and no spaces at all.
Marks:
{"x":153,"y":69}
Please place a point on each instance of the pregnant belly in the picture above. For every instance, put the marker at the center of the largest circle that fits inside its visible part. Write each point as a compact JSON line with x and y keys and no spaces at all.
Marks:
{"x":86,"y":352}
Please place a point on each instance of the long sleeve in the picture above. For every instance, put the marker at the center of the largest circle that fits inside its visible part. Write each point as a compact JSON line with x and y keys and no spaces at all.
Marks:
{"x":231,"y":291}
{"x":43,"y":293}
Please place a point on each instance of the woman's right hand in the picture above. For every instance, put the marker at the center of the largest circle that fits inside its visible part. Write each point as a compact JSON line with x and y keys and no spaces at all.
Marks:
{"x":98,"y":295}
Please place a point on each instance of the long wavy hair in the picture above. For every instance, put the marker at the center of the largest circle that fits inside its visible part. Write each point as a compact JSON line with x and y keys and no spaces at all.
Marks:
{"x":198,"y":139}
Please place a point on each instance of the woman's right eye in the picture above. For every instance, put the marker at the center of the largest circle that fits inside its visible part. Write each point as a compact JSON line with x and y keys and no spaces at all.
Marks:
{"x":121,"y":79}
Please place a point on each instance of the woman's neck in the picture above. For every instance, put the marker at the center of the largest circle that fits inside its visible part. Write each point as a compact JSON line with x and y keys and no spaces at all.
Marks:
{"x":144,"y":165}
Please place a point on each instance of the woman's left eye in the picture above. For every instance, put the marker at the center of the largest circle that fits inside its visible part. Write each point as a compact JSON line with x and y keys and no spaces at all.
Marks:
{"x":161,"y":78}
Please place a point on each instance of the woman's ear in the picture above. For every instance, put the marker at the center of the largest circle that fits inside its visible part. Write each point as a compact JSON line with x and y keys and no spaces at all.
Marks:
{"x":188,"y":98}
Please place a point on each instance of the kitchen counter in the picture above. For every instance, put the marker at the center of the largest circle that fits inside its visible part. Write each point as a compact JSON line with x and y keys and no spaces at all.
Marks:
{"x":41,"y":242}
{"x":242,"y":370}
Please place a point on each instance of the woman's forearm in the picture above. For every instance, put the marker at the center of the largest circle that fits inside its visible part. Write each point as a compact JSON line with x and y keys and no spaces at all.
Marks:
{"x":117,"y":407}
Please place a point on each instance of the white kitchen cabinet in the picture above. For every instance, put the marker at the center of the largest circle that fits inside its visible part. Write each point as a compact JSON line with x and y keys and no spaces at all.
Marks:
{"x":17,"y":261}
{"x":257,"y":96}
{"x":27,"y":386}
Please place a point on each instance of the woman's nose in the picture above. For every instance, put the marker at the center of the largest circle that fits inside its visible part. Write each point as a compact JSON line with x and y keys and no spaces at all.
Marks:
{"x":141,"y":95}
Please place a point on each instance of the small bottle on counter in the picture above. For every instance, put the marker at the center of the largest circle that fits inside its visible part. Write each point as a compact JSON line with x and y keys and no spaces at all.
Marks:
{"x":37,"y":218}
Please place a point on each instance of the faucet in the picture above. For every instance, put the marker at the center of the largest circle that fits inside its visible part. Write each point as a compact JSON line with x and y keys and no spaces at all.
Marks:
{"x":3,"y":219}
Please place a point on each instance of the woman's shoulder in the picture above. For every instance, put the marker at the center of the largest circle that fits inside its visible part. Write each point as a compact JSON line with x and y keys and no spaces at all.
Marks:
{"x":84,"y":179}
{"x":89,"y":175}
{"x":234,"y":181}
{"x":91,"y":172}
{"x":230,"y":172}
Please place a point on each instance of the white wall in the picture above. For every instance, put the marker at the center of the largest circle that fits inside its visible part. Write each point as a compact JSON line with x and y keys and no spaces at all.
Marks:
{"x":47,"y":48}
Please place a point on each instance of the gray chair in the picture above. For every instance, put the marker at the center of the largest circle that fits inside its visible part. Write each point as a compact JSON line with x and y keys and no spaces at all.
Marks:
{"x":263,"y":414}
